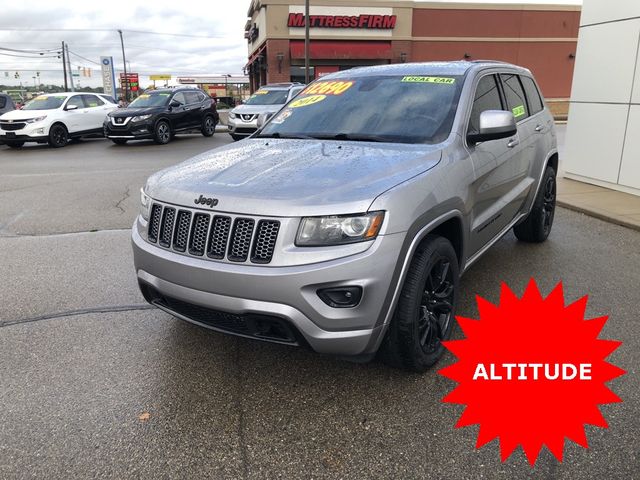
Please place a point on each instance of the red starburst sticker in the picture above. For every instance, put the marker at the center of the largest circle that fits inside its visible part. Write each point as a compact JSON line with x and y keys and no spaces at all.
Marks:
{"x":532,"y":371}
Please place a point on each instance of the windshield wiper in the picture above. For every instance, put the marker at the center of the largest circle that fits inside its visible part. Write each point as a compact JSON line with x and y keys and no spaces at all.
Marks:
{"x":357,"y":137}
{"x":279,"y":135}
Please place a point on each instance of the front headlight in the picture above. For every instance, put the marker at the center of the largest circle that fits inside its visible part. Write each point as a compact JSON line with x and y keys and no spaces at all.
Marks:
{"x":232,"y":115}
{"x":338,"y":230}
{"x":145,"y":205}
{"x":140,"y":118}
{"x":34,"y":120}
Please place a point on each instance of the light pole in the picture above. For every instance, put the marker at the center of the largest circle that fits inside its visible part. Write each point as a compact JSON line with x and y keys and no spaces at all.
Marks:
{"x":226,"y":76}
{"x":124,"y":63}
{"x":306,"y":41}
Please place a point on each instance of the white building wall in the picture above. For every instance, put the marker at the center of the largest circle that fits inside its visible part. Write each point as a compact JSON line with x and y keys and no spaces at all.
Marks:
{"x":603,"y":133}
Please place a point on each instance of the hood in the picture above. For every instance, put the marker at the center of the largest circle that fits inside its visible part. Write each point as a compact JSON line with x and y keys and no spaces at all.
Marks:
{"x":246,"y":109}
{"x":25,"y":114}
{"x":282,"y":177}
{"x":132,"y":112}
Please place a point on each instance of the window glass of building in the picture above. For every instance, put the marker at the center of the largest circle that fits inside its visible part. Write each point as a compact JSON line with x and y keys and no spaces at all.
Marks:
{"x":487,"y":97}
{"x":514,"y":94}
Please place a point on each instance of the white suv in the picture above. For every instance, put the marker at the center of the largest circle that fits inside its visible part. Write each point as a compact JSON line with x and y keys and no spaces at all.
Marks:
{"x":55,"y":118}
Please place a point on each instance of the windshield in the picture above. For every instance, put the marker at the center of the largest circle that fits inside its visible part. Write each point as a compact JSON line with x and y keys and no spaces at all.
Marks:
{"x":150,"y":100}
{"x":45,"y":103}
{"x":268,"y":97}
{"x":400,"y":109}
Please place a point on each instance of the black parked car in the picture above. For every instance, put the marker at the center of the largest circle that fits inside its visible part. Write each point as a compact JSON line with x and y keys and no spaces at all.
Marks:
{"x":160,"y":114}
{"x":6,"y":103}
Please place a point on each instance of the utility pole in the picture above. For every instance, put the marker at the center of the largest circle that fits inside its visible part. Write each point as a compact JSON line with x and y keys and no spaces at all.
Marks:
{"x":64,"y":68}
{"x":69,"y":67}
{"x":124,"y":63}
{"x":306,"y":41}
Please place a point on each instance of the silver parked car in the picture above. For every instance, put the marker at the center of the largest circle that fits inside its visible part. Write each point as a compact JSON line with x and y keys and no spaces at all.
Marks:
{"x":345,"y":223}
{"x":243,"y":120}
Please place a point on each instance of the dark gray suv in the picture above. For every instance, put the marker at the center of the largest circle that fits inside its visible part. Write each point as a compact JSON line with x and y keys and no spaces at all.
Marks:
{"x":345,"y":223}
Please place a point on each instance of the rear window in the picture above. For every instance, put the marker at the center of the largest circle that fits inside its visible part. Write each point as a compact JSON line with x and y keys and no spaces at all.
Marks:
{"x":514,"y":93}
{"x":533,"y":95}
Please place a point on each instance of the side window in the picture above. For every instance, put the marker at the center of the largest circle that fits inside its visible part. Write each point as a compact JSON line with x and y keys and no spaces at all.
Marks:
{"x":295,"y":91}
{"x":533,"y":95}
{"x":76,"y":100}
{"x":3,"y":101}
{"x":92,"y":101}
{"x":192,"y":97}
{"x":179,"y":97}
{"x":514,"y":94}
{"x":487,"y":97}
{"x":201,"y":97}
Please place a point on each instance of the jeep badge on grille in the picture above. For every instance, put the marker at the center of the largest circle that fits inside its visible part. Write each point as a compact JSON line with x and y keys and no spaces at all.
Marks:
{"x":209,"y":202}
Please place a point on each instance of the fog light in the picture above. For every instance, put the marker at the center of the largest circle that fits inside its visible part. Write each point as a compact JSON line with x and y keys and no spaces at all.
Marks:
{"x":341,"y":297}
{"x":40,"y":131}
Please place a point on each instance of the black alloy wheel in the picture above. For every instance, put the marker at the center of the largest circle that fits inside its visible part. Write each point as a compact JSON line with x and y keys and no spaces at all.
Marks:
{"x":58,"y":136}
{"x":436,"y":306}
{"x":549,"y":204}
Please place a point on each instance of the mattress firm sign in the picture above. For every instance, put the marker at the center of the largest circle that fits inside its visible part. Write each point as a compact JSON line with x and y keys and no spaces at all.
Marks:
{"x":342,"y":21}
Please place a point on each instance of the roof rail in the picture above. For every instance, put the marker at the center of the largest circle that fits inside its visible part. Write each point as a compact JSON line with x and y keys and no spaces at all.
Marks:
{"x":489,"y":61}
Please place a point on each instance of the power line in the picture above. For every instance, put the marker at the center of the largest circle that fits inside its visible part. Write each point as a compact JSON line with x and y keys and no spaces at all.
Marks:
{"x":28,"y":56}
{"x":84,"y":58}
{"x":31,"y":51}
{"x":143,"y":32}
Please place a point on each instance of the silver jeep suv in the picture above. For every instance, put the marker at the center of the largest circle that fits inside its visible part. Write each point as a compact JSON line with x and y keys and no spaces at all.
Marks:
{"x":345,"y":223}
{"x":267,"y":100}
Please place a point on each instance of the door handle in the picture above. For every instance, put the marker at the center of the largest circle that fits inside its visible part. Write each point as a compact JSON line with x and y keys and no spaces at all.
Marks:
{"x":514,"y":142}
{"x":539,"y":128}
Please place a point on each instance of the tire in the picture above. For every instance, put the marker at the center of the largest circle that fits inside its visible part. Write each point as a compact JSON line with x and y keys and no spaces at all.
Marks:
{"x":537,"y":226}
{"x":162,"y":133}
{"x":120,"y":141}
{"x":208,"y":126}
{"x":236,"y":138}
{"x":58,"y":136}
{"x":425,"y":314}
{"x":14,"y":144}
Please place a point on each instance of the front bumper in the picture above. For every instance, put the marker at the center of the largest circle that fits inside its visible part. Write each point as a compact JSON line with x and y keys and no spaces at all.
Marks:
{"x":36,"y":133}
{"x":132,"y":131}
{"x":285,"y":293}
{"x":237,"y":126}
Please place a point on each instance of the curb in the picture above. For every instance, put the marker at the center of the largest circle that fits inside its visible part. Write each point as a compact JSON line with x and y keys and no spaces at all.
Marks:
{"x":600,"y":216}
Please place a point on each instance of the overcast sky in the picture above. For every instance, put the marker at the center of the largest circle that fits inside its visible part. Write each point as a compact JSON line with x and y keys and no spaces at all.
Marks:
{"x":217,"y":44}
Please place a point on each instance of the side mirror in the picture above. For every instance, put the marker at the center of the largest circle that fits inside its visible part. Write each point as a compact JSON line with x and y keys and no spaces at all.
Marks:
{"x":263,"y":118}
{"x":68,"y":108}
{"x":494,"y":124}
{"x":175,"y":104}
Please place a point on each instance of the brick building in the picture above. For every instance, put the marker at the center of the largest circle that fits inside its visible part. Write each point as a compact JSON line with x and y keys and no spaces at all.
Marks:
{"x":350,"y":33}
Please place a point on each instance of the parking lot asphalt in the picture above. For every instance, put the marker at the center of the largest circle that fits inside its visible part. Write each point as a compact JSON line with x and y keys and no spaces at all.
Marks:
{"x":94,"y":383}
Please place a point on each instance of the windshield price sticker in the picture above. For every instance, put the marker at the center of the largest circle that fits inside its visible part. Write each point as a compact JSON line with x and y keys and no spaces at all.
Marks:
{"x":282,"y":116}
{"x":144,"y":95}
{"x":328,"y":88}
{"x":306,"y":101}
{"x":524,"y":386}
{"x":261,"y":92}
{"x":519,"y":111}
{"x":440,"y":80}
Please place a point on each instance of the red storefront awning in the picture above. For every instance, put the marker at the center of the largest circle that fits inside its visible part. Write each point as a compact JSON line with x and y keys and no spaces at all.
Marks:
{"x":342,"y":50}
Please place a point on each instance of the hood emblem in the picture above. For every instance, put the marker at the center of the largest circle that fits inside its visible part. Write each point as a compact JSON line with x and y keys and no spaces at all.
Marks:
{"x":209,"y":202}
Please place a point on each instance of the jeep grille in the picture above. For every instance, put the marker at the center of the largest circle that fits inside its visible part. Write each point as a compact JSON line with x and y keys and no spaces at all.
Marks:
{"x":219,"y":237}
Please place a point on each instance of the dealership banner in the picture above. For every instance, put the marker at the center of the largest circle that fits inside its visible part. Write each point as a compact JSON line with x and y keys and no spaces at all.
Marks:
{"x":108,"y":76}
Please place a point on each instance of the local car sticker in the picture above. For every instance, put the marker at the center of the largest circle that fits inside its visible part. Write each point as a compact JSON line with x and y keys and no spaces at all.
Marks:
{"x":306,"y":101}
{"x":144,"y":95}
{"x":420,"y":79}
{"x":328,"y":88}
{"x":282,"y":116}
{"x":261,"y":92}
{"x":519,"y":111}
